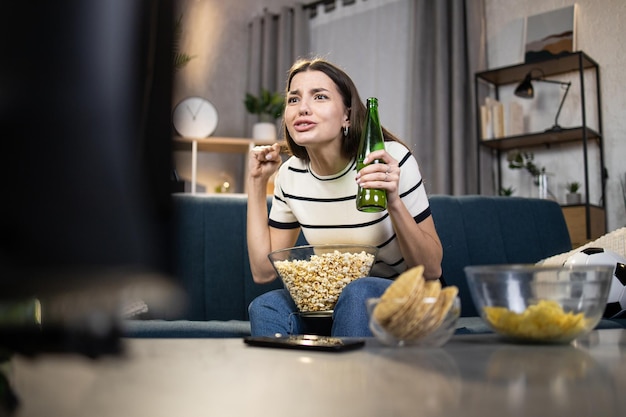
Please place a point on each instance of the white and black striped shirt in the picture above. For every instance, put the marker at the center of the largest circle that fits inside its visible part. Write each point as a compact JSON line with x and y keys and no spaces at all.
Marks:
{"x":325,"y":208}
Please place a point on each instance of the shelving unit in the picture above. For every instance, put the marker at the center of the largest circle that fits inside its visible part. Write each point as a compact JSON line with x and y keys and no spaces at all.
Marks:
{"x":586,"y":217}
{"x":215,"y":145}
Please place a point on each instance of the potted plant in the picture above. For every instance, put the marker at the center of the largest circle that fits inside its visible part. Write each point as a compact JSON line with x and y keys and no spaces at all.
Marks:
{"x":507,"y":191}
{"x":525,"y":160}
{"x":269,"y":107}
{"x":573,"y":196}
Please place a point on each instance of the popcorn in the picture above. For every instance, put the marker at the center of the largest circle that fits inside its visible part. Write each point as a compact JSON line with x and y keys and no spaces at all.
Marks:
{"x":315,"y":284}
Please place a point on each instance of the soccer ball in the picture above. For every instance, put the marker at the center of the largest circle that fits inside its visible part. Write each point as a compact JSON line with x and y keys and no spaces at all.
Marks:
{"x":616,"y":303}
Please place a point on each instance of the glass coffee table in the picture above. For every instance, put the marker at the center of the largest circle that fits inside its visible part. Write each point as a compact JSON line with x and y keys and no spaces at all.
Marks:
{"x":472,"y":375}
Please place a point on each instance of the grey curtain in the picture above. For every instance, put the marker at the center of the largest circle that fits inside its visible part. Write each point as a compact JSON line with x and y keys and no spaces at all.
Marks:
{"x":276,"y":40}
{"x":371,"y":41}
{"x":450,"y":46}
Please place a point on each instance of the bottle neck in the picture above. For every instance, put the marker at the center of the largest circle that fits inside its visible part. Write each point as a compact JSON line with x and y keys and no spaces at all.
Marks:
{"x":372,"y":104}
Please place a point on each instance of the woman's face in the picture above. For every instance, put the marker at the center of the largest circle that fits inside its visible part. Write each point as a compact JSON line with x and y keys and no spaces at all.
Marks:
{"x":315,"y":114}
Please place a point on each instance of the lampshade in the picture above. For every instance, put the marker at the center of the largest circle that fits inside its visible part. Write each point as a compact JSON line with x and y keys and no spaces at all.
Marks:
{"x":525,"y":88}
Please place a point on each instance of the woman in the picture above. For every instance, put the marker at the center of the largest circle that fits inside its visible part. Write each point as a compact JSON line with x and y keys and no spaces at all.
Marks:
{"x":315,"y":192}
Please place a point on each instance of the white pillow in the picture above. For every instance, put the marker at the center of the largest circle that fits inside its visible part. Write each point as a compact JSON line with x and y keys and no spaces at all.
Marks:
{"x":614,"y":241}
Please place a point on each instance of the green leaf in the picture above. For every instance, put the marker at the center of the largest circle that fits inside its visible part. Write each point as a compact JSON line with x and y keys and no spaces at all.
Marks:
{"x":179,"y":59}
{"x":573,"y":187}
{"x":266,"y":103}
{"x":519,"y":160}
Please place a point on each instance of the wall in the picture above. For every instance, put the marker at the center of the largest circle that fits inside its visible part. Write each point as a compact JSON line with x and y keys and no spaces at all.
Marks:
{"x":600,"y":35}
{"x":216,"y":33}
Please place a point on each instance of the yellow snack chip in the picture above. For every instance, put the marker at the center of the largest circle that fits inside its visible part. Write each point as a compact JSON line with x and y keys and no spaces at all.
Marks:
{"x":545,"y":320}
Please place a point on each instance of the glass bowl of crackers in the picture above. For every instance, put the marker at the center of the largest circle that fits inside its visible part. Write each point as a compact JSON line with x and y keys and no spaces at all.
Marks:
{"x":315,"y":275}
{"x":414,"y":311}
{"x":540,"y":304}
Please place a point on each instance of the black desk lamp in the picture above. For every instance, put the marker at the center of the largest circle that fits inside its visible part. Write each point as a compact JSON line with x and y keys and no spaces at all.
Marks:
{"x":525,"y":90}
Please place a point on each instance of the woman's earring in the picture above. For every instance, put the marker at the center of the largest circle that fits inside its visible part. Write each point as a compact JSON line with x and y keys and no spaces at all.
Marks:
{"x":345,"y":130}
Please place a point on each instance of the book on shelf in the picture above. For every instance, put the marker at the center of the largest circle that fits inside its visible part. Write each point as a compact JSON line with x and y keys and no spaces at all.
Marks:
{"x":515,"y":120}
{"x":485,"y":123}
{"x":492,"y":119}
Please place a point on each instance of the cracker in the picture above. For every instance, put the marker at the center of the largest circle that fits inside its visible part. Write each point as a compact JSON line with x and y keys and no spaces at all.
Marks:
{"x":403,"y":326}
{"x":404,"y":284}
{"x":412,"y":306}
{"x":400,"y":316}
{"x":436,"y":314}
{"x":398,"y":295}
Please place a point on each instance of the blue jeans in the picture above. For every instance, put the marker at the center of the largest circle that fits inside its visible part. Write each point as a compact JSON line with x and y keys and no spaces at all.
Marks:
{"x":276,"y":313}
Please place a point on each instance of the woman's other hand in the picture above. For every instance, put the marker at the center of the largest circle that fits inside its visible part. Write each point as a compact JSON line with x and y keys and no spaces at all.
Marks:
{"x":264,"y":161}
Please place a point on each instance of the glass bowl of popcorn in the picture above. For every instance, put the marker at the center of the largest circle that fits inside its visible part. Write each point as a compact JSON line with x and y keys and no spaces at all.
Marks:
{"x":544,"y":304}
{"x":315,"y":275}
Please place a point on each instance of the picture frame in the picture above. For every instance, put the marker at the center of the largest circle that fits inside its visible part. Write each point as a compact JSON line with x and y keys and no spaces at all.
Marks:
{"x":550,"y":34}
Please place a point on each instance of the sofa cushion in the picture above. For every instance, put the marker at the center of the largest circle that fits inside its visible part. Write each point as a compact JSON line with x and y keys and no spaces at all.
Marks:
{"x":211,"y":256}
{"x":481,"y":230}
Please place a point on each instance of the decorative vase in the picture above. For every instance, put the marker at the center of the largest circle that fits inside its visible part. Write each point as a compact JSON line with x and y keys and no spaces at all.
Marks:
{"x":264,"y":130}
{"x":540,"y":182}
{"x":573,"y":198}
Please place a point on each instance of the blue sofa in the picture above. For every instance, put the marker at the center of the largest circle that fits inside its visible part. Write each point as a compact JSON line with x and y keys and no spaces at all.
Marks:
{"x":212,"y":262}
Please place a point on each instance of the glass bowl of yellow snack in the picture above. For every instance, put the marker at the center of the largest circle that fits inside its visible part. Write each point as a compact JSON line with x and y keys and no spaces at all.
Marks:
{"x":315,"y":275}
{"x":545,"y":304}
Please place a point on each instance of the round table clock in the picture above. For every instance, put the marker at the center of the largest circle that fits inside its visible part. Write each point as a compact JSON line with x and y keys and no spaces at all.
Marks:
{"x":194,"y":117}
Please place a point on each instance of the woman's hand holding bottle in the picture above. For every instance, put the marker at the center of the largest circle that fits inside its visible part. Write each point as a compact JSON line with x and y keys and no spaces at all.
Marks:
{"x":384,"y":175}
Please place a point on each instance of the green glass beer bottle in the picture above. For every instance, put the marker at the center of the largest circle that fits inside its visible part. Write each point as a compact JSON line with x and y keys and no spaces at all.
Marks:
{"x":370,"y":200}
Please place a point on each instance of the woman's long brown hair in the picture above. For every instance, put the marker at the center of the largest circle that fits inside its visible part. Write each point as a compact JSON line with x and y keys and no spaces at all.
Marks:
{"x":351,"y":99}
